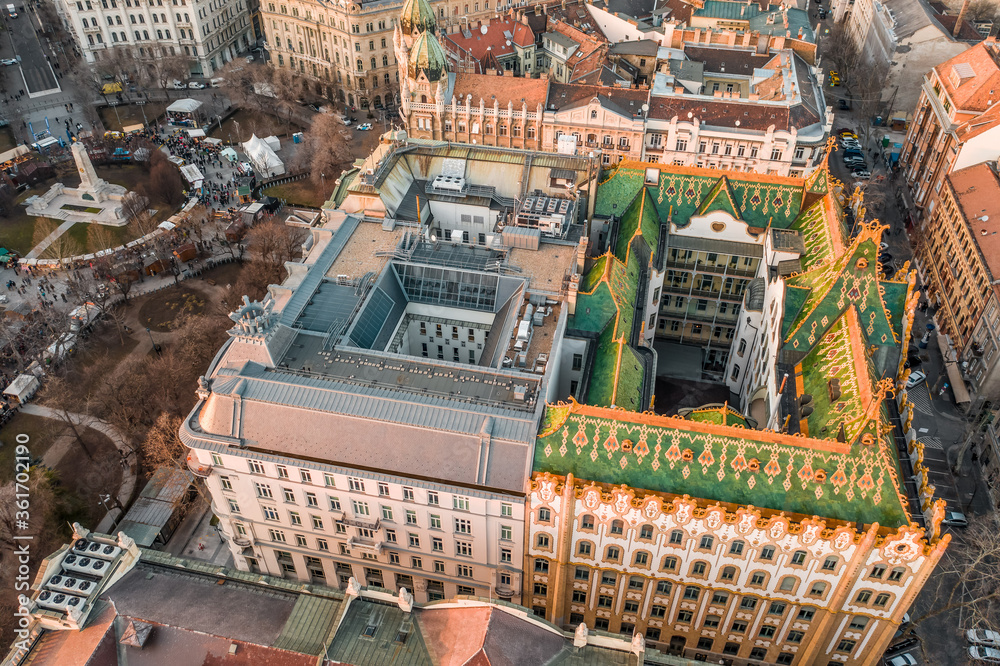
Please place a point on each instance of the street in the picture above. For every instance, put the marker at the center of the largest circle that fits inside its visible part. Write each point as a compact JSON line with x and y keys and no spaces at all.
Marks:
{"x":36,"y":72}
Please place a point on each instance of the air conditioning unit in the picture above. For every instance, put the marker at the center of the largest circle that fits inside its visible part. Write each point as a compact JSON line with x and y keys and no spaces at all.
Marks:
{"x":84,"y":565}
{"x":103,"y":551}
{"x":58,"y":601}
{"x":63,"y":584}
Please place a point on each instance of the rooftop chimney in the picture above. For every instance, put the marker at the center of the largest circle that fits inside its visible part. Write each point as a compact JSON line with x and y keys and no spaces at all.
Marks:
{"x":961,"y":17}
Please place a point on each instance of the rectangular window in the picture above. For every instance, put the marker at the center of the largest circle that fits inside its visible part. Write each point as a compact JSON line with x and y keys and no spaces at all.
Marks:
{"x":463,"y":548}
{"x":334,"y":504}
{"x":414,"y":540}
{"x":328,"y":480}
{"x":226,"y":484}
{"x":411,"y":517}
{"x":256,"y":467}
{"x":437,"y":544}
{"x":506,"y":532}
{"x":435,"y":521}
{"x":356,"y":484}
{"x":463,"y":526}
{"x":460,"y":503}
{"x":386,"y":513}
{"x":311,"y":499}
{"x":383,"y":489}
{"x":263,"y":490}
{"x":360,"y":508}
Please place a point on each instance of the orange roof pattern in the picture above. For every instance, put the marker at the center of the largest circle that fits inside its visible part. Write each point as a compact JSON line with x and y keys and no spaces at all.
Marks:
{"x":503,"y":89}
{"x":980,"y":90}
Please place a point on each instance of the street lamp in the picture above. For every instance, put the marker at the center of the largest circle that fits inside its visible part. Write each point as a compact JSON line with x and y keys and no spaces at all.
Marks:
{"x":156,"y":347}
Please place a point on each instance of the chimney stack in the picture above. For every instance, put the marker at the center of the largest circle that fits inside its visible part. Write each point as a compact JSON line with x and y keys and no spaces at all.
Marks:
{"x":961,"y":17}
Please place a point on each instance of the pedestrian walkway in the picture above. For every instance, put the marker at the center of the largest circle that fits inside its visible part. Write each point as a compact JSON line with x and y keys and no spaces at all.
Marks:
{"x":129,"y":475}
{"x":196,"y":538}
{"x":49,"y":240}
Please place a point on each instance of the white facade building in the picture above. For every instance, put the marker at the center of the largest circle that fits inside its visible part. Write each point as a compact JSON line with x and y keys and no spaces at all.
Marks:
{"x":209,"y":32}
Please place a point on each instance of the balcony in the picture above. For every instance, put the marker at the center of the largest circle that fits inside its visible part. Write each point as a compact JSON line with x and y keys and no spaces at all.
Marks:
{"x":505,"y":592}
{"x":369,"y":545}
{"x":243,"y":541}
{"x":357,"y":522}
{"x":723,"y":269}
{"x":197,"y":467}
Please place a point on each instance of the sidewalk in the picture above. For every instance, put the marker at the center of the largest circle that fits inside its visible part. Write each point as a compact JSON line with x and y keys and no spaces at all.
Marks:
{"x":197,"y":538}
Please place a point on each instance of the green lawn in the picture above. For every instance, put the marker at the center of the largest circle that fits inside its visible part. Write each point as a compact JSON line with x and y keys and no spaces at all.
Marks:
{"x":80,"y":232}
{"x":302,"y":192}
{"x":82,"y":209}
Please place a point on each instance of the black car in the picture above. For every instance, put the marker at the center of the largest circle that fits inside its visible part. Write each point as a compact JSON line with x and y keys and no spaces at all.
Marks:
{"x":843,"y":105}
{"x":822,"y":14}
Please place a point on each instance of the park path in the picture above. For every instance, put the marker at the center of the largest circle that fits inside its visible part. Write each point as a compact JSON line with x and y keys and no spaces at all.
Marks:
{"x":49,"y":240}
{"x":130,"y":474}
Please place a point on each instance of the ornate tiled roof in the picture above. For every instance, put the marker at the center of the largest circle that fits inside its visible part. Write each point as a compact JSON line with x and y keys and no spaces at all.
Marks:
{"x":427,"y":56}
{"x":417,"y":16}
{"x":762,"y":200}
{"x":726,"y":463}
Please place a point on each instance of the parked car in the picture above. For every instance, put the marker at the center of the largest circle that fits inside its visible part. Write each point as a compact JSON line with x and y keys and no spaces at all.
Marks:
{"x":841,"y":103}
{"x":196,"y":85}
{"x":855,"y":164}
{"x":861,"y":174}
{"x":901,"y":660}
{"x":9,"y":61}
{"x":847,"y":132}
{"x":989,"y":655}
{"x":822,"y":13}
{"x":983,"y":637}
{"x":365,"y":127}
{"x":216,"y":82}
{"x":178,"y":85}
{"x":955,"y":519}
{"x":915,"y":378}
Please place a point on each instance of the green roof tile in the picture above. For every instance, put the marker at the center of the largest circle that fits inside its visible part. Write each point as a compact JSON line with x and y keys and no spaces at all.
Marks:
{"x":714,"y":462}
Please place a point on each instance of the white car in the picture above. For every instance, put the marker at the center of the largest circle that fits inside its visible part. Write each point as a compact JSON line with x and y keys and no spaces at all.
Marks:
{"x":196,"y":85}
{"x":861,"y":174}
{"x":983,"y":637}
{"x":9,"y":61}
{"x":901,"y":660}
{"x":178,"y":85}
{"x":915,"y":378}
{"x":986,"y":654}
{"x":365,"y":127}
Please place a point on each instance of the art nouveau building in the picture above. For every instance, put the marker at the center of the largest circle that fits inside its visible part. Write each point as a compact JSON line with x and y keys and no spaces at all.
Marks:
{"x":209,"y":35}
{"x":779,"y":532}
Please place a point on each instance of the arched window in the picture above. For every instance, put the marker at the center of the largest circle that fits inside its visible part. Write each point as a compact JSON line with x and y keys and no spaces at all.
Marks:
{"x":676,"y":537}
{"x":736,"y":547}
{"x":864,"y":596}
{"x":758,"y":578}
{"x":728,"y":573}
{"x":787,"y":584}
{"x":669,"y":563}
{"x":881,"y":600}
{"x":830,"y":563}
{"x":612,"y":554}
{"x":586,"y":522}
{"x":641,"y":558}
{"x":361,"y":65}
{"x":542,"y":541}
{"x":385,"y":61}
{"x":541,"y":565}
{"x":646,"y":532}
{"x":617,"y":527}
{"x":799,"y":557}
{"x":896,"y":574}
{"x":699,"y":568}
{"x":374,"y":65}
{"x":167,"y":33}
{"x":584,"y":549}
{"x":818,"y":589}
{"x":423,"y":99}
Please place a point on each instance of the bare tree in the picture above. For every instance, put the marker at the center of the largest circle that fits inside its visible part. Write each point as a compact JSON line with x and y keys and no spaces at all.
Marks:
{"x":983,"y":10}
{"x":269,"y":244}
{"x":287,"y":88}
{"x":162,"y":70}
{"x":326,"y":151}
{"x":239,"y":80}
{"x":60,"y":247}
{"x":964,"y":582}
{"x":868,"y":84}
{"x":841,"y":51}
{"x":62,"y":397}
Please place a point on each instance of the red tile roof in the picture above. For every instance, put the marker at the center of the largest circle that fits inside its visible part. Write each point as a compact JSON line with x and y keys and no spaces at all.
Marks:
{"x":980,"y":90}
{"x":623,"y":100}
{"x":968,"y":33}
{"x":981,"y":123}
{"x":750,"y":115}
{"x":977,"y":192}
{"x":494,"y":40}
{"x":504,"y":89}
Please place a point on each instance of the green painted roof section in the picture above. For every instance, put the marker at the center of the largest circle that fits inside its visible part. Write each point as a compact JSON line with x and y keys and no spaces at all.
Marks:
{"x":417,"y":16}
{"x":795,"y":298}
{"x":427,"y":56}
{"x":309,"y":625}
{"x":681,"y":190}
{"x":640,"y":220}
{"x":833,"y":358}
{"x":818,"y":181}
{"x":594,"y":276}
{"x":591,"y":443}
{"x":718,"y":415}
{"x":849,"y":280}
{"x":894,"y":298}
{"x":351,"y":646}
{"x":601,"y":390}
{"x":341,"y":191}
{"x":815,"y":234}
{"x":594,"y":310}
{"x":719,"y":197}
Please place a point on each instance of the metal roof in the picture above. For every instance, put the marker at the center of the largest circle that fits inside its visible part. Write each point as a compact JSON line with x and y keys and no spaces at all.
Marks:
{"x":717,"y":246}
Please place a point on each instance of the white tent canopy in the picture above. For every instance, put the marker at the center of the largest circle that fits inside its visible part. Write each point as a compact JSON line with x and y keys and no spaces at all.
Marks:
{"x":196,"y":133}
{"x":274,"y":142}
{"x":184,"y":106}
{"x":22,"y":388}
{"x":264,"y":160}
{"x":192,"y":174}
{"x":229,"y":154}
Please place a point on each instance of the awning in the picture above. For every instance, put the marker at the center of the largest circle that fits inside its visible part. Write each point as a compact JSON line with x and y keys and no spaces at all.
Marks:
{"x":957,"y":383}
{"x":196,"y":133}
